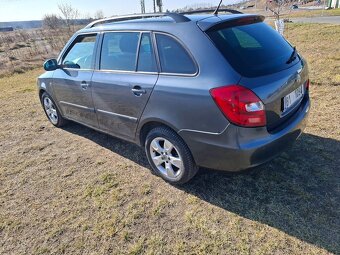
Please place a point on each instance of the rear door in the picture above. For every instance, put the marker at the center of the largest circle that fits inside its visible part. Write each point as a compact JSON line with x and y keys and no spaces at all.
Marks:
{"x":72,"y":83}
{"x":123,"y":83}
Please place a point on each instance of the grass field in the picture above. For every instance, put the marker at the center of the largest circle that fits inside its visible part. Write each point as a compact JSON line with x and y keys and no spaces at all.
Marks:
{"x":76,"y":191}
{"x":312,"y":13}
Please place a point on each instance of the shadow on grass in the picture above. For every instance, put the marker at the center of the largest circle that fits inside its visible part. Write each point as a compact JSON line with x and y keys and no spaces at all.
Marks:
{"x":297,"y":193}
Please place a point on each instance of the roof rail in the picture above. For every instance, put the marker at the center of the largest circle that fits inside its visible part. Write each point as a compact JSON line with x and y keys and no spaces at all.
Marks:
{"x":212,"y":11}
{"x":178,"y":18}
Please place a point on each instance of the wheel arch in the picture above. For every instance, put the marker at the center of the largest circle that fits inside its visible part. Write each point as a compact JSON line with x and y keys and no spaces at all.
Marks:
{"x":44,"y":90}
{"x":147,"y":125}
{"x":41,"y":92}
{"x":183,"y":149}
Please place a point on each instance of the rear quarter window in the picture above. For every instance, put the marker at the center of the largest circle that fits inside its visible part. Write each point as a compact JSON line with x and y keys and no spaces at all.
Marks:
{"x":253,"y":49}
{"x":173,"y":57}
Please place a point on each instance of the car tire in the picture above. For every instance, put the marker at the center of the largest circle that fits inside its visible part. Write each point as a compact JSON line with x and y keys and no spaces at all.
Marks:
{"x":169,"y":156}
{"x":51,"y":110}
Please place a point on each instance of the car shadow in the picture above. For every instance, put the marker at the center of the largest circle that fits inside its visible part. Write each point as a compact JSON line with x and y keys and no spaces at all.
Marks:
{"x":297,"y":193}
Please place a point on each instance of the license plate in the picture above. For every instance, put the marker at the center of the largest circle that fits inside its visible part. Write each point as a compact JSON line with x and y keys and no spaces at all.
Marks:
{"x":292,"y":98}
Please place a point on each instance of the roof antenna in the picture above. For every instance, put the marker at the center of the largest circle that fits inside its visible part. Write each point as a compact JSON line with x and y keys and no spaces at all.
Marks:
{"x":218,"y":7}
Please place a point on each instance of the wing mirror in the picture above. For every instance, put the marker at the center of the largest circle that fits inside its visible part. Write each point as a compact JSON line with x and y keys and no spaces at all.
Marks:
{"x":51,"y":65}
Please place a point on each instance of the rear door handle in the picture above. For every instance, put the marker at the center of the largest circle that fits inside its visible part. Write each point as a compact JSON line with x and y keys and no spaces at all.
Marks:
{"x":138,"y":91}
{"x":84,"y":85}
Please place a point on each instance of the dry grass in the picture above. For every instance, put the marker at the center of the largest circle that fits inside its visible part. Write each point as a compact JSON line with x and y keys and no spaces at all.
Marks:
{"x":312,"y":13}
{"x":296,"y":13}
{"x":23,"y":50}
{"x":76,"y":191}
{"x":319,"y":44}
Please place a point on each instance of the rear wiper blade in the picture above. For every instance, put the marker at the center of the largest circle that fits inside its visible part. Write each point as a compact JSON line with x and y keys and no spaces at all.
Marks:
{"x":292,"y":56}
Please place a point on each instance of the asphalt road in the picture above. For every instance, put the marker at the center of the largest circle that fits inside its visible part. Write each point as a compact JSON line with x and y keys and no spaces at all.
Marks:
{"x":325,"y":19}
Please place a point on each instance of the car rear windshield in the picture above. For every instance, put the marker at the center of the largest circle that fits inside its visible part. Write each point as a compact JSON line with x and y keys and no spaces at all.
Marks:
{"x":253,"y":49}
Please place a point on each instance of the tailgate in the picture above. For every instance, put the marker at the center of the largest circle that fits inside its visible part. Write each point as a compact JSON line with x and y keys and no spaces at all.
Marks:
{"x":272,"y":89}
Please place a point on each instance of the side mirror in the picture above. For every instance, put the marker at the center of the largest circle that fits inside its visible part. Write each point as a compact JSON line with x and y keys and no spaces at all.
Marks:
{"x":51,"y":65}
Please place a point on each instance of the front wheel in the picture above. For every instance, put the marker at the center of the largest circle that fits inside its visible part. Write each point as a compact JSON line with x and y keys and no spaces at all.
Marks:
{"x":169,"y":156}
{"x":52,"y":111}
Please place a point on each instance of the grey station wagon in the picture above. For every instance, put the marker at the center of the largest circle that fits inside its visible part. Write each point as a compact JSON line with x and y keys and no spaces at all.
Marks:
{"x":224,"y":92}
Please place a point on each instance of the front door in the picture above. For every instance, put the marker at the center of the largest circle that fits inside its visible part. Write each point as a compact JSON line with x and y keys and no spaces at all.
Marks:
{"x":124,"y":82}
{"x":72,"y":83}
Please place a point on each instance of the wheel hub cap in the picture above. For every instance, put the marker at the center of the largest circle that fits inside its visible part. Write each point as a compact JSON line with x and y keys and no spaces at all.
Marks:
{"x":166,"y":158}
{"x":51,"y":110}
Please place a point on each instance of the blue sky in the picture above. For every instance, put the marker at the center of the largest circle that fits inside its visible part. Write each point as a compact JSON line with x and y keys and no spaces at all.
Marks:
{"x":19,"y":10}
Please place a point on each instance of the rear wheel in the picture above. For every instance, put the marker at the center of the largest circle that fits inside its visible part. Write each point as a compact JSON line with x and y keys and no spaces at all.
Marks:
{"x":52,"y":111}
{"x":169,"y":156}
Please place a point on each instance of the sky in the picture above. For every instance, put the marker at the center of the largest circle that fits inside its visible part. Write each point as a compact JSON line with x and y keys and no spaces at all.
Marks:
{"x":21,"y":10}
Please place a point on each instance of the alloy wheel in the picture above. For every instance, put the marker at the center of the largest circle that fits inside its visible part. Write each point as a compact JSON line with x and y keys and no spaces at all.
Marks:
{"x":51,"y":110}
{"x":166,"y":158}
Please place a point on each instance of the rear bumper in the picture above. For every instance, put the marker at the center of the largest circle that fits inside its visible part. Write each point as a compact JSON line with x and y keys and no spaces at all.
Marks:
{"x":238,"y":148}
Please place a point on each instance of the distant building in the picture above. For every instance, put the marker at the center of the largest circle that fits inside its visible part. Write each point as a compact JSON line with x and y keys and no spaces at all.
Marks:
{"x":6,"y":29}
{"x":334,"y":3}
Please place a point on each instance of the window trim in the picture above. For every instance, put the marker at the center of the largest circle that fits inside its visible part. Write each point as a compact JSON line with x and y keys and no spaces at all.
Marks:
{"x":138,"y":50}
{"x":184,"y":47}
{"x":70,"y":45}
{"x":100,"y":38}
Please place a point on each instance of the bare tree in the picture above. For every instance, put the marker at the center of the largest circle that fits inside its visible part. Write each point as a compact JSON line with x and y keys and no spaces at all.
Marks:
{"x":52,"y":21}
{"x":277,"y":7}
{"x":87,"y":16}
{"x":70,"y":15}
{"x":99,"y":14}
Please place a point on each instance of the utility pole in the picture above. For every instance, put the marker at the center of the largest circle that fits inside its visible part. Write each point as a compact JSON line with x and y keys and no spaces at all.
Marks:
{"x":142,"y":5}
{"x":154,"y":6}
{"x":160,"y":5}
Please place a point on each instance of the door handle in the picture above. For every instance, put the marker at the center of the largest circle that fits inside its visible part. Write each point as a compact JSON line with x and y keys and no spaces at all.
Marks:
{"x":84,"y":85}
{"x":138,"y":91}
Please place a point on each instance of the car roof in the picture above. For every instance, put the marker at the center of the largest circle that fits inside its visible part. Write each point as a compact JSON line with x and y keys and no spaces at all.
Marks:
{"x":204,"y":21}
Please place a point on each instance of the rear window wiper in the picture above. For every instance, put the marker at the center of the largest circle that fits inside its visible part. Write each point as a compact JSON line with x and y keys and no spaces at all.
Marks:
{"x":292,"y":56}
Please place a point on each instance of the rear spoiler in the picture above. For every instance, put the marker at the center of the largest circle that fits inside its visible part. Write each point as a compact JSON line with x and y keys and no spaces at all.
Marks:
{"x":211,"y":24}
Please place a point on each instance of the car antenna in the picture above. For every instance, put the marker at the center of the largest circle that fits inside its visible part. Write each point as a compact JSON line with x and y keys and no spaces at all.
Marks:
{"x":218,"y":7}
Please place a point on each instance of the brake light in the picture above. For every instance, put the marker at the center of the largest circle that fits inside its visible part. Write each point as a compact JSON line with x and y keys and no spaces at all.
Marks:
{"x":240,"y":105}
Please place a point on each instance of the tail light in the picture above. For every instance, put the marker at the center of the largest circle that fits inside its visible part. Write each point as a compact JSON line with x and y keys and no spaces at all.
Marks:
{"x":240,"y":105}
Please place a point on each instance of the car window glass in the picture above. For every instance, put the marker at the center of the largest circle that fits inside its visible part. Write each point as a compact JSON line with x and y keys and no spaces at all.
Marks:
{"x":81,"y":54}
{"x":146,"y":58}
{"x":173,"y":57}
{"x":245,"y":40}
{"x":119,"y":51}
{"x":253,"y":49}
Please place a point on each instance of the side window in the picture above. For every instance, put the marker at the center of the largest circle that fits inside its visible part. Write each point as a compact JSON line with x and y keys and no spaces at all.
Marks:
{"x":173,"y":57}
{"x":119,"y":51}
{"x":146,"y":58}
{"x":81,"y":54}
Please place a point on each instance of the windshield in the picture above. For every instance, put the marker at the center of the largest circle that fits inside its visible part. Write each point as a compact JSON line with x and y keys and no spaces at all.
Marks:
{"x":254,"y":49}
